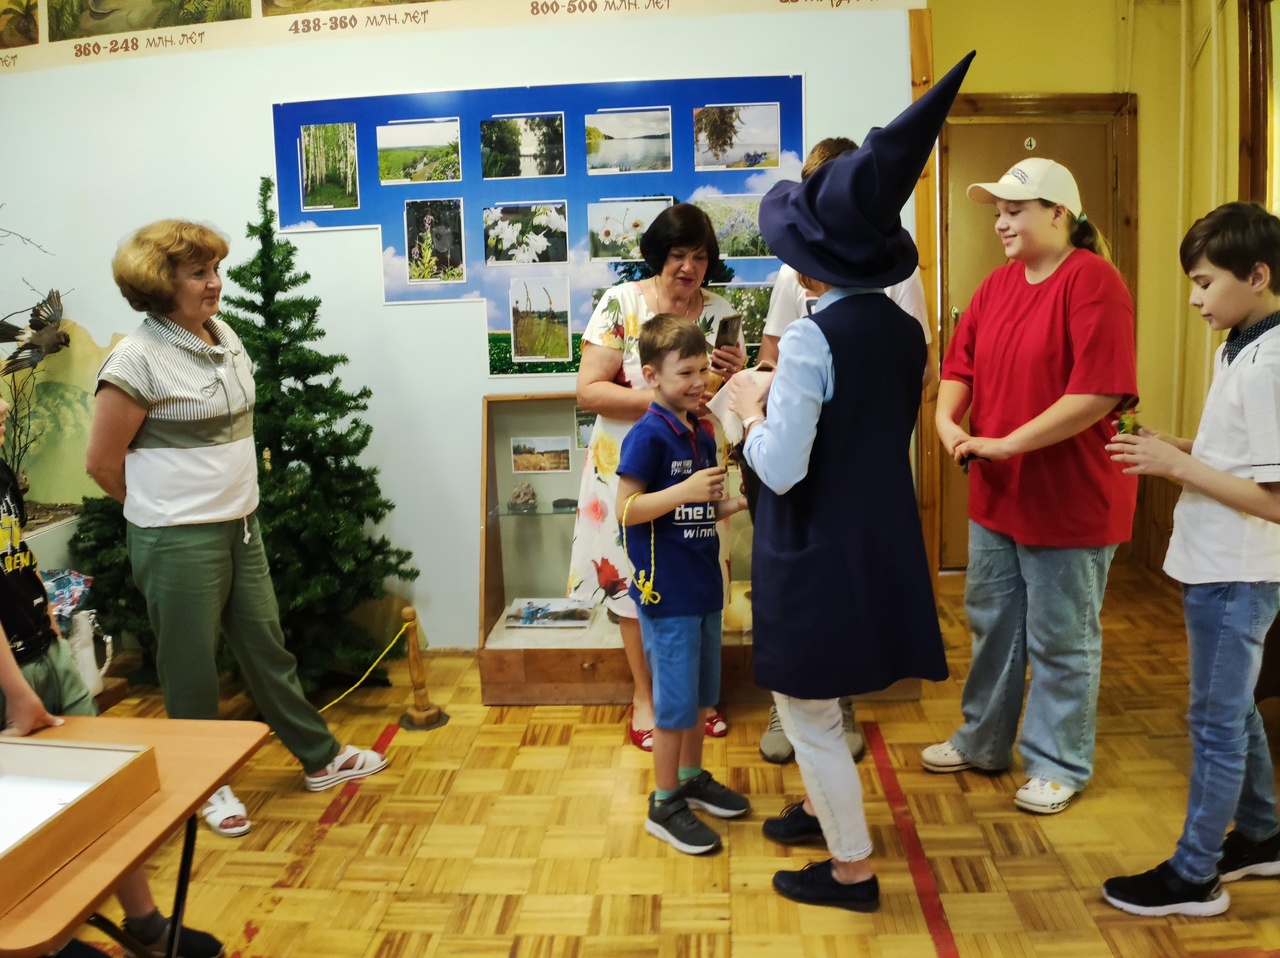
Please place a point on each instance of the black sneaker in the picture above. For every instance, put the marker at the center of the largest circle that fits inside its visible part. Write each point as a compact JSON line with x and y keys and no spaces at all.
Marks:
{"x":191,"y":943}
{"x":816,"y":885}
{"x":706,"y":793}
{"x":793,"y":827}
{"x":677,"y":826}
{"x":1241,"y":857}
{"x":1162,"y":891}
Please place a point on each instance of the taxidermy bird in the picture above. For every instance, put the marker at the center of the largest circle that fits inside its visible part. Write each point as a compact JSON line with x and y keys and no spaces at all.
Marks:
{"x":41,"y":337}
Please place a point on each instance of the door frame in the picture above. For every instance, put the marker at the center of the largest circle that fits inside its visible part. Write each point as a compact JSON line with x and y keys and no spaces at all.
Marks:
{"x":1120,"y":111}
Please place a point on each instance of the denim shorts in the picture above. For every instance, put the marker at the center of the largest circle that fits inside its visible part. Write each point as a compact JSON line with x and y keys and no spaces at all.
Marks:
{"x":683,"y":652}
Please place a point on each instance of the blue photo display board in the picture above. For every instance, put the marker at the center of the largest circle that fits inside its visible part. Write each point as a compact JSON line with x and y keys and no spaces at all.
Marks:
{"x":534,"y":198}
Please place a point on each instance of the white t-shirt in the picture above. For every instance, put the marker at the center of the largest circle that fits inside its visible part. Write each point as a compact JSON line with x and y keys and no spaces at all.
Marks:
{"x":1240,"y":434}
{"x":789,"y":301}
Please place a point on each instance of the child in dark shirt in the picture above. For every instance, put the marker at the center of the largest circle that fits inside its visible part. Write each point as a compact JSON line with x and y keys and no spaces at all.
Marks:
{"x":670,"y":496}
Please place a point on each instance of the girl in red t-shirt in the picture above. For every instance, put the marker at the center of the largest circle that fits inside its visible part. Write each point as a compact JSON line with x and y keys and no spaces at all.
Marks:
{"x":1040,"y":360}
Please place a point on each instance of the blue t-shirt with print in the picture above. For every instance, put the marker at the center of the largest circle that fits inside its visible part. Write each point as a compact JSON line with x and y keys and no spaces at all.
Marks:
{"x":661,"y":451}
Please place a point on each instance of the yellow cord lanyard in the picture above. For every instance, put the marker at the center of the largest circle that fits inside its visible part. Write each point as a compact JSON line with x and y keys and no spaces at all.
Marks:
{"x":644,"y":584}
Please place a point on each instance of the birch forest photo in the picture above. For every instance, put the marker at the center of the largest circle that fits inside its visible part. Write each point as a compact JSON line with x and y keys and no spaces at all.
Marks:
{"x":329,"y":176}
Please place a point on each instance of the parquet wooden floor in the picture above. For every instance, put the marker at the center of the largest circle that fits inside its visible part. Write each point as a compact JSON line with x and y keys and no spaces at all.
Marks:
{"x":519,"y":832}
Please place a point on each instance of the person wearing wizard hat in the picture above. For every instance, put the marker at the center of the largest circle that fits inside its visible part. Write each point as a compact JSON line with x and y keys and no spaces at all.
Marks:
{"x":1041,"y":360}
{"x":844,"y":603}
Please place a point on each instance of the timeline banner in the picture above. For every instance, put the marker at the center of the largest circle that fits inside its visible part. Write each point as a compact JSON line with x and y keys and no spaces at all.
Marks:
{"x":36,"y":34}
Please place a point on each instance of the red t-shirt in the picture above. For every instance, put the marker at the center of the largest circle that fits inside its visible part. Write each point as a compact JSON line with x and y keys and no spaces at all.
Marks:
{"x":1022,"y":347}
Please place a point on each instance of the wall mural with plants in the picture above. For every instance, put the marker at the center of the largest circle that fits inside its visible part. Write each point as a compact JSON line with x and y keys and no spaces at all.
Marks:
{"x":535,"y":198}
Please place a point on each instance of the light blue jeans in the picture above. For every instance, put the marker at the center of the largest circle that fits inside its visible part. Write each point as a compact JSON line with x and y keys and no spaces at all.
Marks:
{"x":1033,"y":605}
{"x":1231,"y":774}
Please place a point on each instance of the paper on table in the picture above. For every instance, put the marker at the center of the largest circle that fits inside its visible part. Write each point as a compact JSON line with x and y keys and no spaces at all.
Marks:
{"x":719,"y":406}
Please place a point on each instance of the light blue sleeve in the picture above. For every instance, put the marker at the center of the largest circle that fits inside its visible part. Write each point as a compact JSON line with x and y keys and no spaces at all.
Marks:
{"x":778,"y":448}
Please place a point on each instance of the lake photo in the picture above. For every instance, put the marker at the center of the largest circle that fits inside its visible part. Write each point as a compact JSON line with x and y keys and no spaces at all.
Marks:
{"x":522,"y":146}
{"x":629,"y":141}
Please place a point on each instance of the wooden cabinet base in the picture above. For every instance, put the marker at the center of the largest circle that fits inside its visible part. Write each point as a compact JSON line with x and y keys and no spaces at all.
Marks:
{"x":601,"y":677}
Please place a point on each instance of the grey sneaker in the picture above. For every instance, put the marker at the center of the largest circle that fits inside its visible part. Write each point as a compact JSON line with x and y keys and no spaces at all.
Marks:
{"x":706,"y":793}
{"x":852,"y":734}
{"x":675,"y":824}
{"x":774,"y":745}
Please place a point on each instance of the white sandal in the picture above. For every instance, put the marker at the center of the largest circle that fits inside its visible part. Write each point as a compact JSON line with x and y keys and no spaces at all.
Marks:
{"x":367,"y":762}
{"x":222,"y":805}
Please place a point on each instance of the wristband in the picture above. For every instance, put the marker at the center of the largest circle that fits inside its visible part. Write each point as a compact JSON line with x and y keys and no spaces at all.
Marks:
{"x":748,"y":423}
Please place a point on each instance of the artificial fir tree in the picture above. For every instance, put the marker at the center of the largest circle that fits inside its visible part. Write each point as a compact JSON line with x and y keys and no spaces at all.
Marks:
{"x":316,"y":498}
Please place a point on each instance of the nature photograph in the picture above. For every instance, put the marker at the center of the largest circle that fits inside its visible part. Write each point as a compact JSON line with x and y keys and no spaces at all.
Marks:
{"x":424,"y":151}
{"x":615,"y":226}
{"x":583,"y":424}
{"x":527,"y":233}
{"x":629,"y":141}
{"x":735,"y":220}
{"x":736,"y":137}
{"x":540,"y":454}
{"x":540,"y":321}
{"x":330,"y":180}
{"x":433,"y":241}
{"x":522,"y":146}
{"x":752,"y":304}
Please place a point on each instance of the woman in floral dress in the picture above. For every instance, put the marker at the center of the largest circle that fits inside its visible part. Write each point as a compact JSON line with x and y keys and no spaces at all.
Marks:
{"x":679,"y":247}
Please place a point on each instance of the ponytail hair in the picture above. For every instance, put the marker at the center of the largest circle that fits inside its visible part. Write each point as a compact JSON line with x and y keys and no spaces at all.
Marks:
{"x":1083,"y":234}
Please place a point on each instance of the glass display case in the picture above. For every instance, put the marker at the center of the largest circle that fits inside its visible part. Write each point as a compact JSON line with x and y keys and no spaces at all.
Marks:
{"x":535,"y":647}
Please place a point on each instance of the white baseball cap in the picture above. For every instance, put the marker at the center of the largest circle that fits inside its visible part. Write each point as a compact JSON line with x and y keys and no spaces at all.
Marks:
{"x":1032,"y":179}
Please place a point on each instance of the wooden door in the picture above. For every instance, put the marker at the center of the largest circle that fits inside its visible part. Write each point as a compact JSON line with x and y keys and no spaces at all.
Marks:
{"x":1094,"y":137}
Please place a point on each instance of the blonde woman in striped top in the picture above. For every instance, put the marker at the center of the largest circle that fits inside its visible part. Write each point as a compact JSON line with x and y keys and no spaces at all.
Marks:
{"x":172,"y":440}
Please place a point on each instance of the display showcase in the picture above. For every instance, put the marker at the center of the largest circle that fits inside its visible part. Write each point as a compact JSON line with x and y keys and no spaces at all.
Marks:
{"x":536,"y":648}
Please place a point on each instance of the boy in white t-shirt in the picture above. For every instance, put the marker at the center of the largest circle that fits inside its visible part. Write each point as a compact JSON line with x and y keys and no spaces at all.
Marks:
{"x":788,"y":302}
{"x":1225,"y":551}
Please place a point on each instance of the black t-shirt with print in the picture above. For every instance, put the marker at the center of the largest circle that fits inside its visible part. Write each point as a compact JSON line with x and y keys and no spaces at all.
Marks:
{"x":24,"y":611}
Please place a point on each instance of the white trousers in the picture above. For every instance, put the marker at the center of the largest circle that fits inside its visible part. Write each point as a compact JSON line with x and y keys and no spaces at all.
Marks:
{"x":815,"y":729}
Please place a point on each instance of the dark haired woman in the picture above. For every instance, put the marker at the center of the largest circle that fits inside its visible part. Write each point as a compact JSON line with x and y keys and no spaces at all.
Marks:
{"x":1041,"y":360}
{"x":679,"y":246}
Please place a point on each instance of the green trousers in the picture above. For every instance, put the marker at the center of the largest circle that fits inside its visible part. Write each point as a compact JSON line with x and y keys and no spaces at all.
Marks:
{"x":198,"y":578}
{"x":57,"y":682}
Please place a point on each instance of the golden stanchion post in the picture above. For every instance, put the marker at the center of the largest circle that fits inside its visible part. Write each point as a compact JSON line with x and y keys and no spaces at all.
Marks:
{"x":421,"y":716}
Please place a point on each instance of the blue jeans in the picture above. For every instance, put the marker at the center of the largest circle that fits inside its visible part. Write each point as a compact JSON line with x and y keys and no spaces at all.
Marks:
{"x":683,"y":652}
{"x":1231,"y":774}
{"x":1037,"y":605}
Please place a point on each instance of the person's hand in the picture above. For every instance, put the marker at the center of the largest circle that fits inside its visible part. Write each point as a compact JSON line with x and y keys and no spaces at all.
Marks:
{"x":1145,"y":454}
{"x":951,"y":435}
{"x":705,"y":485}
{"x":747,"y":394}
{"x":24,"y":713}
{"x":983,"y":447}
{"x":727,"y":360}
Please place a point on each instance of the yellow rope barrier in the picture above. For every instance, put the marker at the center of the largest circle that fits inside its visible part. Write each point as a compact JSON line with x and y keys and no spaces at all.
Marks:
{"x":368,"y":671}
{"x":648,"y":595}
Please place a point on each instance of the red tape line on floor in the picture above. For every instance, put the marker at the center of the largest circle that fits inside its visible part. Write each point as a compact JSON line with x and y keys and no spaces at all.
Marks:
{"x":348,"y":791}
{"x":926,"y":888}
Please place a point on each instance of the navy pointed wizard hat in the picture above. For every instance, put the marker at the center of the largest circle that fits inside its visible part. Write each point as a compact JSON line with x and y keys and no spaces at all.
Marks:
{"x":843,"y":224}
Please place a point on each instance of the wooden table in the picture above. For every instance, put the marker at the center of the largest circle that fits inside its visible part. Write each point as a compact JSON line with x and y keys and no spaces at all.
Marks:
{"x":194,"y":759}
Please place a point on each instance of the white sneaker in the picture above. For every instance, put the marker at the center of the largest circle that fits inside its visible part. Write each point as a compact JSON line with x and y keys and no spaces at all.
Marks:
{"x":943,"y":757}
{"x":774,"y":745}
{"x":1043,"y":797}
{"x":852,"y":734}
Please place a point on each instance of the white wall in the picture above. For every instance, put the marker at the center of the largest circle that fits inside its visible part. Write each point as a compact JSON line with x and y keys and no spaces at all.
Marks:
{"x":90,"y":152}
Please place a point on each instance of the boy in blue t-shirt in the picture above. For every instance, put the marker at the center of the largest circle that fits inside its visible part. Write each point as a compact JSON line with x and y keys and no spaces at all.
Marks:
{"x":670,"y":496}
{"x":1225,"y":550}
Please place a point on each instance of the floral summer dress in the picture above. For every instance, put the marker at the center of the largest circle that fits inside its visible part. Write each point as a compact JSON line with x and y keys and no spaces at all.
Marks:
{"x":598,"y":568}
